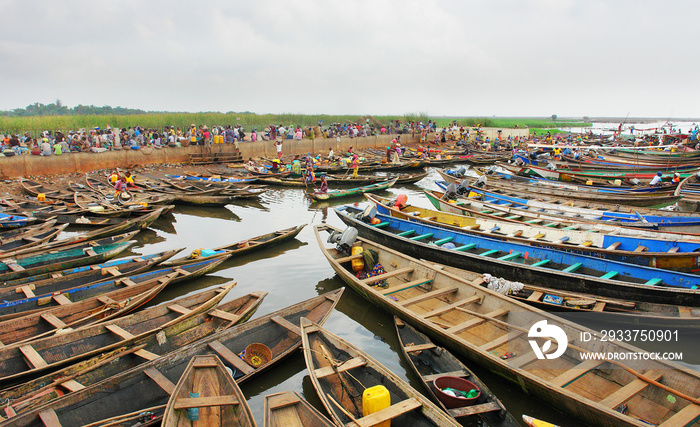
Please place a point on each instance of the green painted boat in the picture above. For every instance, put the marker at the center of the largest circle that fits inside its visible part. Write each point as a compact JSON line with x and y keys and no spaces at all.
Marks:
{"x":38,"y":263}
{"x":334,"y":194}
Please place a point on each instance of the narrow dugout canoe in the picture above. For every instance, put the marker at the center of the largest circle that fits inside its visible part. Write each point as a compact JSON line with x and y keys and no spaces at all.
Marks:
{"x":429,"y":362}
{"x":65,"y":297}
{"x":246,"y":246}
{"x":334,"y":194}
{"x":512,"y":261}
{"x":154,"y":381}
{"x":289,"y":409}
{"x":611,"y":311}
{"x":34,"y":188}
{"x":83,"y":275}
{"x":31,"y":238}
{"x":135,"y":223}
{"x":488,"y":329}
{"x":341,"y":373}
{"x":51,"y":386}
{"x":69,"y":345}
{"x":207,"y":386}
{"x":33,"y":264}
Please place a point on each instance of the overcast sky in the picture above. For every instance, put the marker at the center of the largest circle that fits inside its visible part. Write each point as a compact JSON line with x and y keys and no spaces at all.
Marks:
{"x":463,"y":58}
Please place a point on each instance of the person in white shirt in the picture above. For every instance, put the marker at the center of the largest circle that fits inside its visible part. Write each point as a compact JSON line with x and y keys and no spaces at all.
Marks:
{"x":656,"y":180}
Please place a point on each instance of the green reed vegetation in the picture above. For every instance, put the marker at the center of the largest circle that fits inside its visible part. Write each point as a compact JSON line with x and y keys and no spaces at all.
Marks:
{"x":34,"y":124}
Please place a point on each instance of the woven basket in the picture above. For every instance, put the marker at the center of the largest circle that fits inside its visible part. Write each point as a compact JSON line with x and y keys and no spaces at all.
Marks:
{"x":257,"y":355}
{"x":581,"y":302}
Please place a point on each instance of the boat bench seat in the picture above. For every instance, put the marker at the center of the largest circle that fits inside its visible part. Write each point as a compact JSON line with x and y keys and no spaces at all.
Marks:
{"x":353,"y":363}
{"x":389,"y":413}
{"x":198,"y":402}
{"x":572,"y":268}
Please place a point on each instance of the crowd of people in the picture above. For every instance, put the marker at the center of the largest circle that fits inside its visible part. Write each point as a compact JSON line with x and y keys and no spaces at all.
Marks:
{"x":98,"y":140}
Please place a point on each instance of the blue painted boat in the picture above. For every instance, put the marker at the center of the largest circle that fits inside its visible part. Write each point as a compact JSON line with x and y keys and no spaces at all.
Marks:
{"x":667,"y":220}
{"x":536,"y":265}
{"x":664,"y":251}
{"x":14,"y":221}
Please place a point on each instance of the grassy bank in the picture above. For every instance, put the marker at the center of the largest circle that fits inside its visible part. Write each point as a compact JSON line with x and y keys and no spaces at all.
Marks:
{"x":36,"y":124}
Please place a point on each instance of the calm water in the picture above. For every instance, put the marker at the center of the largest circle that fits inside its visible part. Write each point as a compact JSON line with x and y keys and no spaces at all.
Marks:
{"x":297,"y":271}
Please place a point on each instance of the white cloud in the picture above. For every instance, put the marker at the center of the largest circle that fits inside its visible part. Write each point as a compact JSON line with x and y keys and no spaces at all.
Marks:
{"x":504,"y":57}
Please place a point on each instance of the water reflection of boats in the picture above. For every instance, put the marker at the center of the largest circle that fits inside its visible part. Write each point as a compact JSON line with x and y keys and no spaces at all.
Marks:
{"x":249,"y":203}
{"x":207,"y":212}
{"x":271,"y":252}
{"x":166,"y":225}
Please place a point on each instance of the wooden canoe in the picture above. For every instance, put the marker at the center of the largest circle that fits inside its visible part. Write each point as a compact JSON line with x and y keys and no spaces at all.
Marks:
{"x":599,"y":309}
{"x":550,"y":219}
{"x":10,"y":221}
{"x":288,"y":409}
{"x":34,"y":188}
{"x":487,"y":328}
{"x":72,"y":277}
{"x":9,"y":295}
{"x":246,"y":246}
{"x":429,"y":362}
{"x":31,"y":238}
{"x":33,"y":264}
{"x":68,"y":345}
{"x":207,"y":387}
{"x":590,"y":194}
{"x":513,"y":261}
{"x":154,"y":381}
{"x":52,"y":386}
{"x":135,"y":223}
{"x":334,"y":194}
{"x":667,"y":252}
{"x":341,"y":372}
{"x":67,"y":296}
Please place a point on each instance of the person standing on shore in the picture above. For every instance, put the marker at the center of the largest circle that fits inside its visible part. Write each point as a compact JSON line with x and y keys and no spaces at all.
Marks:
{"x":278,"y":145}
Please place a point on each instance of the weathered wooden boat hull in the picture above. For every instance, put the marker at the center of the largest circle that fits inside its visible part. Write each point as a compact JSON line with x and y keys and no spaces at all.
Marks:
{"x":153,"y":382}
{"x":334,"y":194}
{"x":249,"y":245}
{"x":325,"y":354}
{"x":483,"y":327}
{"x":665,"y":254}
{"x":218,"y":399}
{"x":288,"y":409}
{"x":523,"y":269}
{"x":51,"y":386}
{"x":429,"y":361}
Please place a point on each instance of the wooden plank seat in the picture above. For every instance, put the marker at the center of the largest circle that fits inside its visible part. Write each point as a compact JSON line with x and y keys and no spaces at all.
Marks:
{"x":466,"y":247}
{"x":419,"y":347}
{"x":389,"y":413}
{"x":165,"y":384}
{"x":499,"y":341}
{"x":224,"y":315}
{"x":349,"y":258}
{"x":49,"y":418}
{"x":145,"y":354}
{"x":460,"y":374}
{"x":614,"y":246}
{"x":575,"y":372}
{"x":477,"y":321}
{"x":572,"y":268}
{"x":119,"y":331}
{"x":61,"y":299}
{"x":428,"y":295}
{"x":27,"y":290}
{"x":199,"y":402}
{"x":684,"y":417}
{"x":54,"y":321}
{"x":466,"y":411}
{"x":177,"y":308}
{"x":33,"y":358}
{"x":353,"y":363}
{"x":541,"y":262}
{"x":625,"y":393}
{"x":380,"y":277}
{"x":674,"y":249}
{"x":287,"y":325}
{"x":535,"y":296}
{"x":231,"y":357}
{"x":72,"y":385}
{"x":453,"y":306}
{"x":406,"y":285}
